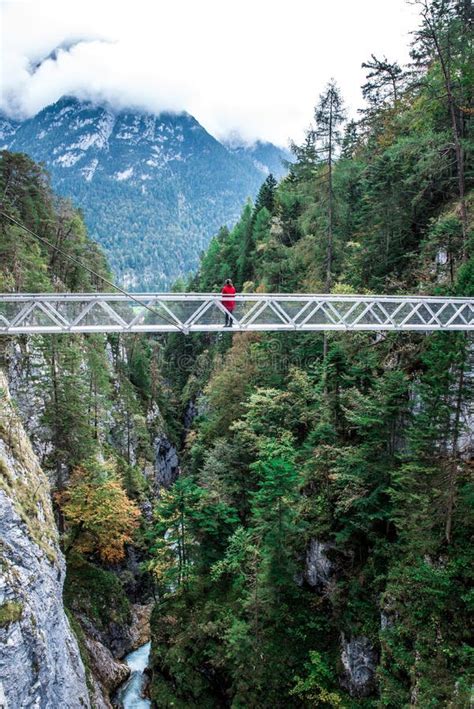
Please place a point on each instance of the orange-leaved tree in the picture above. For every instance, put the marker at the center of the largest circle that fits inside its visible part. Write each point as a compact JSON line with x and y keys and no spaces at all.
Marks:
{"x":99,"y":516}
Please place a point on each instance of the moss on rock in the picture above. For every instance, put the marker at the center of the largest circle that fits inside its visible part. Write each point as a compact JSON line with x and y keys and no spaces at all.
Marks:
{"x":96,"y":593}
{"x":10,"y":612}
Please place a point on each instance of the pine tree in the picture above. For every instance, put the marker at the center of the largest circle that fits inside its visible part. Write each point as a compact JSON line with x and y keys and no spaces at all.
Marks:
{"x":329,"y":115}
{"x":384,"y":80}
{"x":445,"y":35}
{"x":266,"y":195}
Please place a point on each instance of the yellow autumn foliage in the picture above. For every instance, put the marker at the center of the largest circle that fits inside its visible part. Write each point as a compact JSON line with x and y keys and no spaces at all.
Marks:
{"x":100,"y":518}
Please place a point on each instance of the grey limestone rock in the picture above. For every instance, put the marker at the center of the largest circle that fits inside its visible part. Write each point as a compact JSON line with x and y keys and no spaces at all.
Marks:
{"x":359,"y":659}
{"x":166,"y":462}
{"x":110,"y":673}
{"x":27,"y":374}
{"x":40,"y":664}
{"x":318,"y":567}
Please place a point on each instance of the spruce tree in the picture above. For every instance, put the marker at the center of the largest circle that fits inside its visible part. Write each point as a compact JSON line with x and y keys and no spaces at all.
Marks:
{"x":329,"y":115}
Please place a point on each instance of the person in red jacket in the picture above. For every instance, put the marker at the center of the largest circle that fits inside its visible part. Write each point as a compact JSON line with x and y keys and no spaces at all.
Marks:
{"x":228,"y":302}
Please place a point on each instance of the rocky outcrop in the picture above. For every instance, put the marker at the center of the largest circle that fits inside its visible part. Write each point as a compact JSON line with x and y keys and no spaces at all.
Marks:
{"x":97,"y":695}
{"x":318,"y":567}
{"x":109,"y":672}
{"x":165,"y":456}
{"x":27,"y":369}
{"x":40,"y":664}
{"x":166,"y":462}
{"x":115,"y":636}
{"x":118,"y":638}
{"x":465,"y":443}
{"x":134,"y":578}
{"x":197,"y":406}
{"x":385,"y":621}
{"x":190,"y":413}
{"x":140,"y":628}
{"x":359,"y":660}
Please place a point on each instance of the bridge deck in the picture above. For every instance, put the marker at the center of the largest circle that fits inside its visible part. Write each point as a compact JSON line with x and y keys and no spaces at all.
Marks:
{"x":205,"y":312}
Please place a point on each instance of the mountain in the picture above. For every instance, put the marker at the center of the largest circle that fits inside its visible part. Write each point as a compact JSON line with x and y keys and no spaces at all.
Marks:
{"x":8,"y":129}
{"x":266,"y":157}
{"x":153,"y":189}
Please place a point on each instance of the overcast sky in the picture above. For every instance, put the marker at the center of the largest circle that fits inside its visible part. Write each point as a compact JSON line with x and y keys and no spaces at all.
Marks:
{"x":251,"y":66}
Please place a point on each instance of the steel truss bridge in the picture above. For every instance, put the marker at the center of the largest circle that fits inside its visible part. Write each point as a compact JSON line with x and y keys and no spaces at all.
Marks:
{"x":205,"y":312}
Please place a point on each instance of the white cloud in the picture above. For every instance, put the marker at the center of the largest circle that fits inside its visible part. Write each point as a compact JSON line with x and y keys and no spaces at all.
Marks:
{"x":255,"y":67}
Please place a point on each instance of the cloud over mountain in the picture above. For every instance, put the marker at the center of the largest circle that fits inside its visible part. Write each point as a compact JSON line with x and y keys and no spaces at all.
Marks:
{"x":235,"y":66}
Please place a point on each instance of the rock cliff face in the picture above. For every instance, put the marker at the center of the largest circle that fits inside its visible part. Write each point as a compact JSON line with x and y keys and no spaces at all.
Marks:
{"x":359,"y":659}
{"x":319,"y":568}
{"x":140,"y":629}
{"x":40,"y":664}
{"x":166,"y":462}
{"x":25,"y":492}
{"x":27,"y":371}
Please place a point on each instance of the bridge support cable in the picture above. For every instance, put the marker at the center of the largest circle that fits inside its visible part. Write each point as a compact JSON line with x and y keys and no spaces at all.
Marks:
{"x":205,"y":312}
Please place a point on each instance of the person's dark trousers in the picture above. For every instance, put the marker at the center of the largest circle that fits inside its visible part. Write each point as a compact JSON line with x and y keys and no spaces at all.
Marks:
{"x":228,"y":320}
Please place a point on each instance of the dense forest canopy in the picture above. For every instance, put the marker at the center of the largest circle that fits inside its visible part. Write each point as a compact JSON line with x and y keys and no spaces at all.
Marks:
{"x":324,"y":514}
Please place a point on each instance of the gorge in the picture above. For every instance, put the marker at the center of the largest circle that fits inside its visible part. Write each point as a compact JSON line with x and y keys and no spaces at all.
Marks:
{"x":265,"y":519}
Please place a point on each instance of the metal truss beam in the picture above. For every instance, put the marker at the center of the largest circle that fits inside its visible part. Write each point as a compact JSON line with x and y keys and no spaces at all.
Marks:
{"x":205,"y":312}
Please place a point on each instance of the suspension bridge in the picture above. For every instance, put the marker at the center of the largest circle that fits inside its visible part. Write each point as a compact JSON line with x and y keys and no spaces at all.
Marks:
{"x":45,"y":313}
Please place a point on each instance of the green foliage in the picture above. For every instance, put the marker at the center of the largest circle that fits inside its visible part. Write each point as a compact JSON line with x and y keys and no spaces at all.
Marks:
{"x":313,"y":689}
{"x":65,"y":413}
{"x":426,"y":637}
{"x":97,"y":593}
{"x":25,"y":264}
{"x":355,"y":441}
{"x":89,"y":397}
{"x":27,"y":270}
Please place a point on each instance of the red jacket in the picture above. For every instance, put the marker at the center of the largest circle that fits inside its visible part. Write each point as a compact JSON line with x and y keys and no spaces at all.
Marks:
{"x":227,"y":301}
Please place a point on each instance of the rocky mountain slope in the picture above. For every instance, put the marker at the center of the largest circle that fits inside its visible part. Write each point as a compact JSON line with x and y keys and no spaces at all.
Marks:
{"x":40,"y":664}
{"x":154,"y":189}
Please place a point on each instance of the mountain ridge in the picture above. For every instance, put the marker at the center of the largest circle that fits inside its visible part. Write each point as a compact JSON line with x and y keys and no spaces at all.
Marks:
{"x":154,"y":189}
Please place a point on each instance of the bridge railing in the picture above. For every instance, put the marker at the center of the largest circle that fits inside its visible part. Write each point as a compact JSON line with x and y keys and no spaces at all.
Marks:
{"x":205,"y":312}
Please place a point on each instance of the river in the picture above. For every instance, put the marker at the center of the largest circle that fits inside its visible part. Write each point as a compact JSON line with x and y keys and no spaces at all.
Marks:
{"x":129,"y":695}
